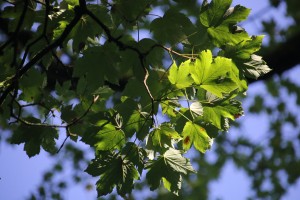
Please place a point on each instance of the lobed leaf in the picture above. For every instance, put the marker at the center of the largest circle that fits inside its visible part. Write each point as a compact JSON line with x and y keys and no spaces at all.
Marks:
{"x":169,"y":168}
{"x":196,"y":135}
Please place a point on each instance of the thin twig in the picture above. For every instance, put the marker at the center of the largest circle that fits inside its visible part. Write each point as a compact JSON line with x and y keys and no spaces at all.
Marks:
{"x":40,"y":55}
{"x":85,"y":113}
{"x":20,"y":23}
{"x":41,"y":36}
{"x":62,"y":145}
{"x":175,"y":52}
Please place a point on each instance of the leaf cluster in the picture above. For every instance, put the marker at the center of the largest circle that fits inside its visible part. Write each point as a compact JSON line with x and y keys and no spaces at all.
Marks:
{"x":83,"y":68}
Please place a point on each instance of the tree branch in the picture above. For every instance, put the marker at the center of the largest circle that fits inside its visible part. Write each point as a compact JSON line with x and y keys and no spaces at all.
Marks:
{"x":16,"y":32}
{"x":78,"y":14}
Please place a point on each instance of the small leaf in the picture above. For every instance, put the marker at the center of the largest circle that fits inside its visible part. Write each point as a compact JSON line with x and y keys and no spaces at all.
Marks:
{"x":256,"y":67}
{"x":135,"y":154}
{"x":195,"y":134}
{"x":168,"y":107}
{"x":162,"y":136}
{"x":179,"y":76}
{"x":197,"y":108}
{"x":108,"y":138}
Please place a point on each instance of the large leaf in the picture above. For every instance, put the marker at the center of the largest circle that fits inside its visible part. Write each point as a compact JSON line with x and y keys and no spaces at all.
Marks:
{"x":218,"y":110}
{"x":31,"y":86}
{"x":194,"y":134}
{"x":34,"y":137}
{"x":135,"y":121}
{"x":212,"y":75}
{"x":96,"y":65}
{"x":222,"y":35}
{"x":168,"y":167}
{"x":114,"y":171}
{"x":173,"y":27}
{"x":221,"y":22}
{"x":135,"y":154}
{"x":244,"y":49}
{"x":108,"y":138}
{"x":212,"y":14}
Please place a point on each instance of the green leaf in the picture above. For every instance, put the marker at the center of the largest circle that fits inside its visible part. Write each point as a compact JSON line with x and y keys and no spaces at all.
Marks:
{"x":179,"y":76}
{"x":136,"y":89}
{"x":139,"y":123}
{"x":222,"y":35}
{"x":114,"y":171}
{"x":221,"y":22}
{"x":235,"y":14}
{"x":168,"y":107}
{"x":212,"y":75}
{"x":85,"y":29}
{"x":154,"y":55}
{"x":96,"y":65}
{"x":34,"y":137}
{"x":72,"y":2}
{"x":60,"y":29}
{"x":244,"y":49}
{"x":217,"y":112}
{"x":131,"y":13}
{"x":177,"y":162}
{"x":196,"y":135}
{"x":31,"y":86}
{"x":212,"y":14}
{"x":162,"y":136}
{"x":168,"y":167}
{"x":135,"y":154}
{"x":237,"y":76}
{"x":173,"y":27}
{"x":104,"y":92}
{"x":256,"y":67}
{"x":108,"y":138}
{"x":134,"y":119}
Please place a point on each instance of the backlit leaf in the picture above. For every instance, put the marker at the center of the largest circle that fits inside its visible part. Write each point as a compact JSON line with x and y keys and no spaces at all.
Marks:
{"x":169,"y":167}
{"x":179,"y":76}
{"x":212,"y":74}
{"x":196,"y":135}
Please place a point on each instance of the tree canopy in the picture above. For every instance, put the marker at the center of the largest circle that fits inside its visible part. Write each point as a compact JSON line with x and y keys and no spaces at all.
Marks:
{"x":141,"y":82}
